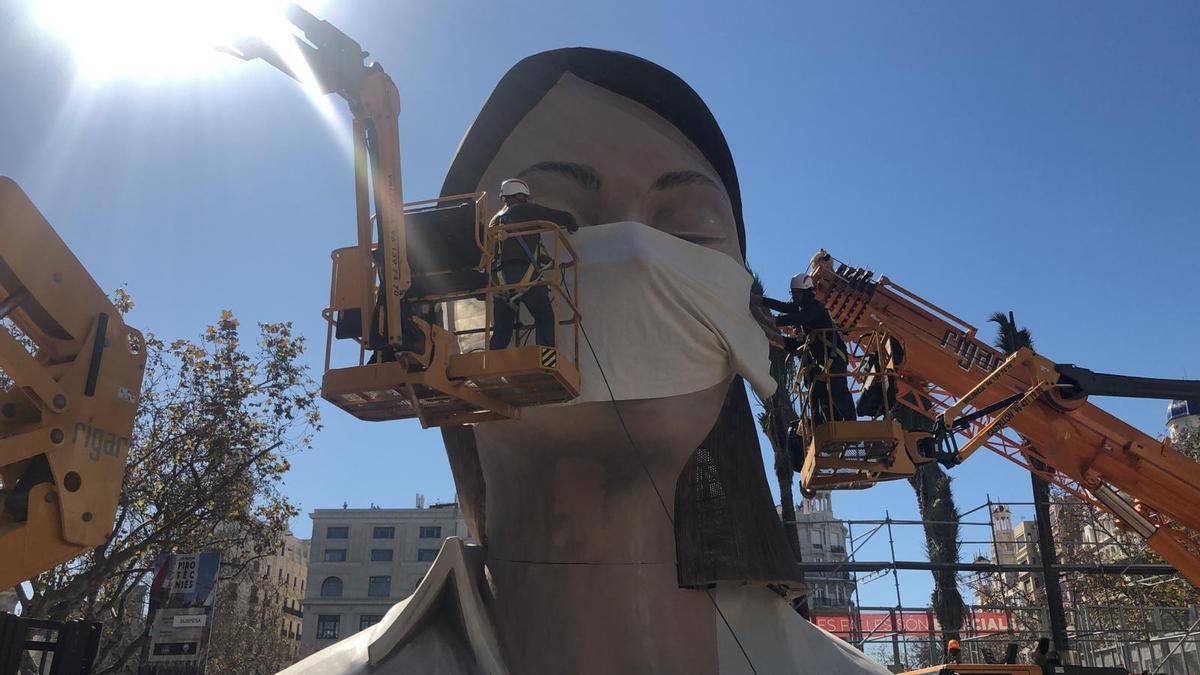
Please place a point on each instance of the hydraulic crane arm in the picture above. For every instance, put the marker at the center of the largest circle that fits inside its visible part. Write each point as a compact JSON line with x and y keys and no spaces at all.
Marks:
{"x":971,"y":392}
{"x":1104,"y":384}
{"x":66,"y":418}
{"x":331,"y":60}
{"x":390,"y":299}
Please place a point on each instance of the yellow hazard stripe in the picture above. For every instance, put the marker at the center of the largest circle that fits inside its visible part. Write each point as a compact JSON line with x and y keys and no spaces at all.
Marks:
{"x":549,"y":357}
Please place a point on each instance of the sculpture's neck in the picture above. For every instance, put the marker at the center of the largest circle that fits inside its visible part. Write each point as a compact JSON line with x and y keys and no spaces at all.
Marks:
{"x":580,"y":547}
{"x":582,"y":556}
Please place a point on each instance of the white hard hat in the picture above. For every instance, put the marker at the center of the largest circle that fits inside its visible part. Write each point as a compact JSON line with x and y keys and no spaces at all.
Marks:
{"x":802,"y":282}
{"x":514,"y":186}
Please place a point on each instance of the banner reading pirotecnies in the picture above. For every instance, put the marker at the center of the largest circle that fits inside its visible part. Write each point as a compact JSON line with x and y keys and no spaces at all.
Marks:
{"x":182,"y":597}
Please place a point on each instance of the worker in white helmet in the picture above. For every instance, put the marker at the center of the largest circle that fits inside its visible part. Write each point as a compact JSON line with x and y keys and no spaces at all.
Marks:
{"x":825,"y":377}
{"x":520,"y":260}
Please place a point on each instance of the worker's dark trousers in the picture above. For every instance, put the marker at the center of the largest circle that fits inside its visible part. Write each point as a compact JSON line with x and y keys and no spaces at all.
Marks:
{"x":504,"y":317}
{"x":836,"y":408}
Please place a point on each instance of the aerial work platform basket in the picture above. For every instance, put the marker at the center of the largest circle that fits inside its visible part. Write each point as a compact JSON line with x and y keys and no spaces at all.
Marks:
{"x":835,"y":386}
{"x":448,"y":373}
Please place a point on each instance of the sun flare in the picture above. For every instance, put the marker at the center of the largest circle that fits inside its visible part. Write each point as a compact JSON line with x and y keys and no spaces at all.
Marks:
{"x":158,"y":39}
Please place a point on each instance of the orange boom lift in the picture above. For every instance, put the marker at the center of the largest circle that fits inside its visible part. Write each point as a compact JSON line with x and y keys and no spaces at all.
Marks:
{"x":933,"y":391}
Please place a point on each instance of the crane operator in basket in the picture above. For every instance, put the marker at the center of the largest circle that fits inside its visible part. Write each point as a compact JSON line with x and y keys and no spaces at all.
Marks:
{"x":831,"y":399}
{"x":520,"y":260}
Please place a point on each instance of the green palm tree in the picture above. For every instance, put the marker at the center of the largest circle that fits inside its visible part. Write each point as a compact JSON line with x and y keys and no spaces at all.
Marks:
{"x":936,"y":503}
{"x":778,"y":414}
{"x":1010,"y":338}
{"x":940,"y":517}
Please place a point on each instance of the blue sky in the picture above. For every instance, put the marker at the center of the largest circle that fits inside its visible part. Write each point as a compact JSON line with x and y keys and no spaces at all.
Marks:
{"x":1032,"y":157}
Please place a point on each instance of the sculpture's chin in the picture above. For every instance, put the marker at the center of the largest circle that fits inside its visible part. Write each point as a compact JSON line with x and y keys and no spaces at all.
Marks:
{"x":658,"y":425}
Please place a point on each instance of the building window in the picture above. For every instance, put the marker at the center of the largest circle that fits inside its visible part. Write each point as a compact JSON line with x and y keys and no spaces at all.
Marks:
{"x":431,"y":532}
{"x":384,"y":533}
{"x":327,"y":626}
{"x":331,"y":587}
{"x":379,"y":587}
{"x":381,"y":555}
{"x":427,"y":554}
{"x":337,"y":532}
{"x":367,"y":620}
{"x":335,"y":555}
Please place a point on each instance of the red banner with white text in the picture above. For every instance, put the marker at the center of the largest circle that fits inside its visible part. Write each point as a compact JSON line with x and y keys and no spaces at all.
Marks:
{"x":881,"y":623}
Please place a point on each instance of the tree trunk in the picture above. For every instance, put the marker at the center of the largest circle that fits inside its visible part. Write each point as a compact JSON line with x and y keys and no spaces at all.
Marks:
{"x":783,"y":471}
{"x":936,"y":503}
{"x":1054,"y":599}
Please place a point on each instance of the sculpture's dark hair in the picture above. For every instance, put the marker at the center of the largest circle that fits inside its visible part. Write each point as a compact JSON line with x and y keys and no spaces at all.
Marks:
{"x":632,"y":77}
{"x":726,"y":527}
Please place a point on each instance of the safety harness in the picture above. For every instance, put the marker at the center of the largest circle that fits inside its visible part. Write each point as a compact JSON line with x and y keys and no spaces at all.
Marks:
{"x":513,"y":296}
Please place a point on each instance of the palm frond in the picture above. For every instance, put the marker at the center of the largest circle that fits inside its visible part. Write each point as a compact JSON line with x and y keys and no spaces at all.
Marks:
{"x":1003,"y":340}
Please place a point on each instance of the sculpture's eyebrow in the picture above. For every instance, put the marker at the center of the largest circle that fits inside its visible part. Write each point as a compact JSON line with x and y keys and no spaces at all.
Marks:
{"x":585,"y":175}
{"x":673,"y":179}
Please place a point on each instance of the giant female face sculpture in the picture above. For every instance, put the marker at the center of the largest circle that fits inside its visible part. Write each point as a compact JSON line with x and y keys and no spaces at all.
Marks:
{"x":631,"y":530}
{"x":606,"y":513}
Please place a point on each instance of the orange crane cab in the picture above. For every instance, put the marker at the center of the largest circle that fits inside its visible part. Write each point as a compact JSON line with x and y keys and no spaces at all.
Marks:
{"x":929,"y":390}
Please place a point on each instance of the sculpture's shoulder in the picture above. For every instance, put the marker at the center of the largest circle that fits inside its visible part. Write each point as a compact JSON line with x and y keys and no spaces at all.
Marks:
{"x":442,"y":627}
{"x":760,"y":627}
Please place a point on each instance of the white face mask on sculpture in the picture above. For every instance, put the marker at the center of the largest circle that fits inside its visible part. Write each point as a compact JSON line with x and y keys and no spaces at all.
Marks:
{"x":665,"y":317}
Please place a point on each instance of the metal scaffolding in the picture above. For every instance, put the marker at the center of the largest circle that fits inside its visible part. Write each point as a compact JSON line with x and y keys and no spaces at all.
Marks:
{"x":1137,"y":637}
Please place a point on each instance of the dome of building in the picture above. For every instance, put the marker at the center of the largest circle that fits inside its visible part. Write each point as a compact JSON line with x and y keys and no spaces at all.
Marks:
{"x":1179,"y":409}
{"x":1183,"y":417}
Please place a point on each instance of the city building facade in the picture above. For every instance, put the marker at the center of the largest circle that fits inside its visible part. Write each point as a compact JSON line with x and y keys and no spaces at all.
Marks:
{"x":823,"y":539}
{"x":288,"y":570}
{"x":1012,"y":545}
{"x":365,"y":560}
{"x":272,"y":581}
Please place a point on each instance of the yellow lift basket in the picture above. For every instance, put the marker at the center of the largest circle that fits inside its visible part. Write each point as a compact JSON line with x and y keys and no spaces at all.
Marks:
{"x":451,"y":376}
{"x":852,"y":453}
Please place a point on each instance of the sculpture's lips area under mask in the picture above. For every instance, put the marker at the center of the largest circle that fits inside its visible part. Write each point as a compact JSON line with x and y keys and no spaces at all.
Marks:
{"x":665,"y":317}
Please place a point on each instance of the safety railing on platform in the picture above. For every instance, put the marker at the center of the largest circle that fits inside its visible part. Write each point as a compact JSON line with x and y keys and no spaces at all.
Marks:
{"x":558,"y":272}
{"x":436,"y":361}
{"x":458,"y":310}
{"x":850,"y":423}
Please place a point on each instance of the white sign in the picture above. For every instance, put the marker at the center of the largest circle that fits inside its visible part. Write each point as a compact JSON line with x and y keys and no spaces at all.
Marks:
{"x":182,"y":596}
{"x":189,"y":621}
